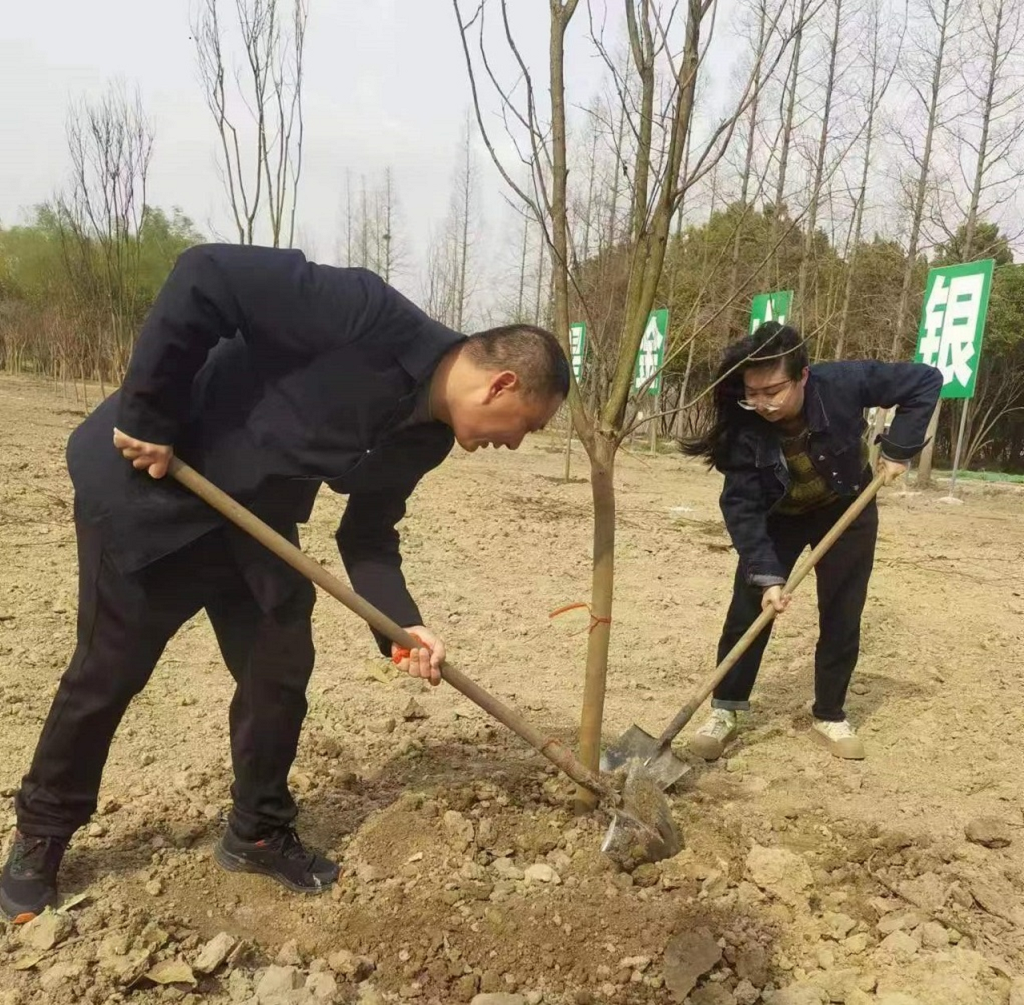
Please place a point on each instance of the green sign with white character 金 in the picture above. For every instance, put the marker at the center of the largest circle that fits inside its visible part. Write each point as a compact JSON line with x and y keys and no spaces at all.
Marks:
{"x":770,"y":307}
{"x":652,"y":353}
{"x":953,"y":324}
{"x":577,"y":347}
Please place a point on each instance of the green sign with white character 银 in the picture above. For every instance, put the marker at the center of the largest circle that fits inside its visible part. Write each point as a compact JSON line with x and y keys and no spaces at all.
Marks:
{"x":953,"y":324}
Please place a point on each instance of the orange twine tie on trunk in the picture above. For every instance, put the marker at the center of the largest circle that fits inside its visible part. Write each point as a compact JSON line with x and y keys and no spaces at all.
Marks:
{"x":595,"y":620}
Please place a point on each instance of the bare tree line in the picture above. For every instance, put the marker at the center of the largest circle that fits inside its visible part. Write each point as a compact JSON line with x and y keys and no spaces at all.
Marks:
{"x":371,"y":236}
{"x":89,"y":291}
{"x":75,"y":284}
{"x":257,"y":109}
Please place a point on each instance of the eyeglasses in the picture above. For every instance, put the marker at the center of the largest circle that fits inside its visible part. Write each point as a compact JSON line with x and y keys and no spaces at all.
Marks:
{"x":767,"y":399}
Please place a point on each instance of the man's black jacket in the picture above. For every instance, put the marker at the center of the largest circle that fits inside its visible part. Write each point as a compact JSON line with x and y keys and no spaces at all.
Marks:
{"x":835,"y":397}
{"x":271,"y":375}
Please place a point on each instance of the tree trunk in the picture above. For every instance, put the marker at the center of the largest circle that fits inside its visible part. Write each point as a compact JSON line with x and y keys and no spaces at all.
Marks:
{"x":924,"y":470}
{"x":538,"y":296}
{"x":365,"y":231}
{"x":588,"y":218}
{"x":520,"y":301}
{"x":460,"y":313}
{"x":602,"y":487}
{"x":686,"y":382}
{"x":789,"y":96}
{"x":349,"y":220}
{"x":388,"y":236}
{"x":877,"y":93}
{"x":819,"y":169}
{"x":620,"y":167}
{"x":996,"y":58}
{"x":748,"y":162}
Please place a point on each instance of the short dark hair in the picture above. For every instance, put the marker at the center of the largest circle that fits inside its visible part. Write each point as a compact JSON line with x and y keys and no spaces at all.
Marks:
{"x":769,"y":346}
{"x":532,"y":353}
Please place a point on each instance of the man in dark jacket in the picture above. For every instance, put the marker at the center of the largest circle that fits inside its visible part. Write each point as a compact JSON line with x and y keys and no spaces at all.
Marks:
{"x":271,"y":375}
{"x":789,"y":439}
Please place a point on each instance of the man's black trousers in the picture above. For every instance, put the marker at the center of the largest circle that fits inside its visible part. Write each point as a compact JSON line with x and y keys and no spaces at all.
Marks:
{"x":124,"y":623}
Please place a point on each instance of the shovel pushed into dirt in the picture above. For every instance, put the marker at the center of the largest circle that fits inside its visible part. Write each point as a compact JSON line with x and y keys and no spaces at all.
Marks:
{"x":642,"y":828}
{"x":655,"y":753}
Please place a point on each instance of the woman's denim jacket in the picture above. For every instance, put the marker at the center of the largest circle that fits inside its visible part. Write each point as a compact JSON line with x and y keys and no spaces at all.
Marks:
{"x":835,"y":398}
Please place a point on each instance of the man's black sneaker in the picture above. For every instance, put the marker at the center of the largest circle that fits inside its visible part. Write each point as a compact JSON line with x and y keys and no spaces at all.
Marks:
{"x":29,"y":881}
{"x":280,"y":856}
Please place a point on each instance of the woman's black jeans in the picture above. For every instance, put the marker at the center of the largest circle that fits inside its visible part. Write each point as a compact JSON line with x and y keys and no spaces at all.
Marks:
{"x":842,"y":578}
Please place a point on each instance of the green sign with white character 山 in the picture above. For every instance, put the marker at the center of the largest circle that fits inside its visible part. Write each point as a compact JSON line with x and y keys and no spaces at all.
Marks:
{"x":770,"y":307}
{"x":953,"y":324}
{"x":652,"y":353}
{"x":577,"y":347}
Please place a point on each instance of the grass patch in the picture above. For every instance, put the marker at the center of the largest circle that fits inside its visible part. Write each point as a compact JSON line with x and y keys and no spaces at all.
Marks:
{"x":984,"y":476}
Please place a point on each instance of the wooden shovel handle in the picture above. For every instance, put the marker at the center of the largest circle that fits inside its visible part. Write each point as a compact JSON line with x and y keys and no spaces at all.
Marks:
{"x":765,"y":618}
{"x":551,"y":748}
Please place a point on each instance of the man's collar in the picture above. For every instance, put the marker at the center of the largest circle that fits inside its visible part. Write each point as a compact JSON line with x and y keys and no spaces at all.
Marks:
{"x":421,"y":406}
{"x":421,"y":354}
{"x":426,"y":342}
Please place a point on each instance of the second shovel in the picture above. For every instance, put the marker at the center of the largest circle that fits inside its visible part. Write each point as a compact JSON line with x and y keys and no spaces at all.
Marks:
{"x":655,"y":753}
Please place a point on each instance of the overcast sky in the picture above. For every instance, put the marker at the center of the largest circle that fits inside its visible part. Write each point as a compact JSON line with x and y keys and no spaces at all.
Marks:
{"x":385,"y":85}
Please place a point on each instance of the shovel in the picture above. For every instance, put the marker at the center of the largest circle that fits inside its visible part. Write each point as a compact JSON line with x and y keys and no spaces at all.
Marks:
{"x":642,"y":828}
{"x":655,"y":753}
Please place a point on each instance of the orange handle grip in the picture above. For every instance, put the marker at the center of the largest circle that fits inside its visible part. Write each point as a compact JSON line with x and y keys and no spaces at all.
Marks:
{"x":398,"y":653}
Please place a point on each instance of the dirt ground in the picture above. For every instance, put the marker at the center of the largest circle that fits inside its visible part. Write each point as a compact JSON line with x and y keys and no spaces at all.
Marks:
{"x":805,"y":879}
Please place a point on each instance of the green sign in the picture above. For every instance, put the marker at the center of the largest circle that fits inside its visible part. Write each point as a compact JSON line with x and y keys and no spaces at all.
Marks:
{"x":770,"y":307}
{"x":953,"y":323}
{"x":652,"y":353}
{"x":577,"y":347}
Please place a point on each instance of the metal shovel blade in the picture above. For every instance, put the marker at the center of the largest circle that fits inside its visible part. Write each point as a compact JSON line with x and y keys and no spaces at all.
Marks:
{"x":637,"y":744}
{"x":642,"y":829}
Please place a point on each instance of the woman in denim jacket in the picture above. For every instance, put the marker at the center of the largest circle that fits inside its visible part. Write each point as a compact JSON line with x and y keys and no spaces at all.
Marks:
{"x":789,"y":439}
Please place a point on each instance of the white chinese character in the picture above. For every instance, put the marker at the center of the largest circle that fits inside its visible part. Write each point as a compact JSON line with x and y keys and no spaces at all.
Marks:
{"x":769,"y":315}
{"x":576,"y":347}
{"x":951,"y":326}
{"x":650,"y":347}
